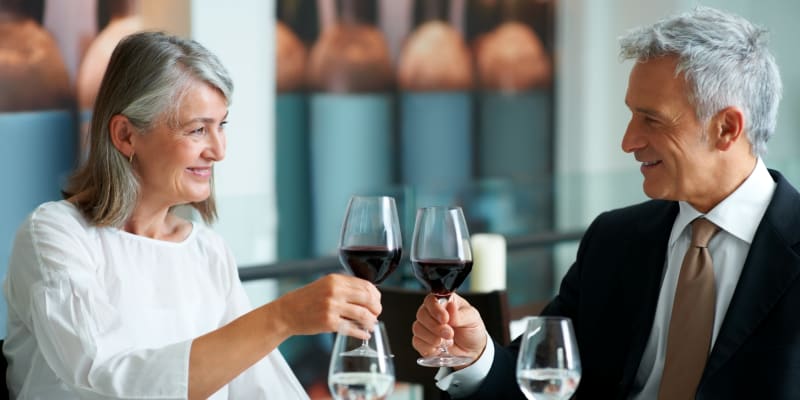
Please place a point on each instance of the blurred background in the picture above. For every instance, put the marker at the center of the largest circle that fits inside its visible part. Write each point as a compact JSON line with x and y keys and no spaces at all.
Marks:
{"x":512,"y":109}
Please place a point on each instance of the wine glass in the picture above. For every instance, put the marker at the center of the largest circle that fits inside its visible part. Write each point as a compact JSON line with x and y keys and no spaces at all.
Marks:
{"x":356,"y":376}
{"x":442,"y":258}
{"x":370,"y":245}
{"x":548,"y":365}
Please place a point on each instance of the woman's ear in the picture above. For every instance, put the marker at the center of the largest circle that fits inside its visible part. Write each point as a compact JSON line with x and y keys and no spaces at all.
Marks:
{"x":122,"y":132}
{"x":728,"y":127}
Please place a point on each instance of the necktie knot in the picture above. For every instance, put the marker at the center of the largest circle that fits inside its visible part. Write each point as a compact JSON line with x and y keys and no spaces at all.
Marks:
{"x":702,"y":232}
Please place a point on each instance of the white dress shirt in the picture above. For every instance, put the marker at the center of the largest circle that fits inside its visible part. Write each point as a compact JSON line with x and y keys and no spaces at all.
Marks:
{"x":99,"y":313}
{"x":738,"y":217}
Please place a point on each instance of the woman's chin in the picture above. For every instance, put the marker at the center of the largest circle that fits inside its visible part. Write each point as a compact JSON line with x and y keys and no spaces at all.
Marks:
{"x":196,"y":197}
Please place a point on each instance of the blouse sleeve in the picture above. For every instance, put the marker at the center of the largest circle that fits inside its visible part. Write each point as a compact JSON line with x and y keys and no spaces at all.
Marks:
{"x":271,"y":377}
{"x":53,"y":285}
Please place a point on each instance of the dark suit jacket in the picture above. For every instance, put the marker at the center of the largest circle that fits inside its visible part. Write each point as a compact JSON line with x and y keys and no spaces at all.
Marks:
{"x":611,"y":291}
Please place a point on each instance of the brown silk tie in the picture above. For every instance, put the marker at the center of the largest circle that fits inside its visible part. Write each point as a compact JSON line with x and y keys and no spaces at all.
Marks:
{"x":692,"y":321}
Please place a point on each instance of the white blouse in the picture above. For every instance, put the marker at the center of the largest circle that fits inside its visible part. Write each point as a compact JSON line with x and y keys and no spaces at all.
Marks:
{"x":99,"y":313}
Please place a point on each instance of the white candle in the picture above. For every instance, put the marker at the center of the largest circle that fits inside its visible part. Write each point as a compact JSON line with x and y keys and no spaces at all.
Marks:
{"x":488,"y":262}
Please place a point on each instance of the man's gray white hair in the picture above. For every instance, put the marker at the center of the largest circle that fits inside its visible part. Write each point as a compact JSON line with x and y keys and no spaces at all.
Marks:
{"x":725,"y":61}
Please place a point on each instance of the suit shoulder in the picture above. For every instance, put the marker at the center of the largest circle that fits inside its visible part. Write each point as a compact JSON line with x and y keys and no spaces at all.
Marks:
{"x":783,"y":212}
{"x":638,"y":214}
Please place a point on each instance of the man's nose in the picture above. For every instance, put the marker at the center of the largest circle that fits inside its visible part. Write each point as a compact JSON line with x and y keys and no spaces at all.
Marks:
{"x":632,"y":140}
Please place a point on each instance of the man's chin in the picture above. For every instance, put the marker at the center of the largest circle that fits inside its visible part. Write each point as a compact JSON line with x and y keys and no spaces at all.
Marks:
{"x":654,"y":193}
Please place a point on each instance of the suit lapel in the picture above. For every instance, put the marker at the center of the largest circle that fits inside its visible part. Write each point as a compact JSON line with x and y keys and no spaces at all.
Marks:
{"x":644,"y":283}
{"x":770,"y":268}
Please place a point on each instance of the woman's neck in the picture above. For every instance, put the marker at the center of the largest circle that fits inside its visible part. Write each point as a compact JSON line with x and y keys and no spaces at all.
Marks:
{"x":157,"y":224}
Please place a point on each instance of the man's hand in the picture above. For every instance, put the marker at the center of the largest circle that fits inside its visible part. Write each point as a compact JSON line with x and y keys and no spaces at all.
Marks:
{"x":456,"y":322}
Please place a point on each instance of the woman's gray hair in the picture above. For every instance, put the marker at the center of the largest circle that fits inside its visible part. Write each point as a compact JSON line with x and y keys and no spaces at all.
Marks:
{"x":146,"y":78}
{"x":725,"y":61}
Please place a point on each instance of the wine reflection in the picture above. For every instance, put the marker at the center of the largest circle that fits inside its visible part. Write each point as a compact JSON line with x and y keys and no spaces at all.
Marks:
{"x":292,"y":171}
{"x":351,"y":107}
{"x":115,"y":20}
{"x":435,"y":78}
{"x":33,"y":75}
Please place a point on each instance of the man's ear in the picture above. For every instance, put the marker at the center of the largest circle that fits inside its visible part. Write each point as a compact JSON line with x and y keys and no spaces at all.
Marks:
{"x":727,"y":128}
{"x":122,"y":132}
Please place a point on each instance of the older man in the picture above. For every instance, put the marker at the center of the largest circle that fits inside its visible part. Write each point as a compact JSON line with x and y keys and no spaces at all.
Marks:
{"x":660,"y":311}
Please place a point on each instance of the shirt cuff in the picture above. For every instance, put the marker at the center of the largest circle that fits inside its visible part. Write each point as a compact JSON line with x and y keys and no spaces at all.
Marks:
{"x":465,"y":382}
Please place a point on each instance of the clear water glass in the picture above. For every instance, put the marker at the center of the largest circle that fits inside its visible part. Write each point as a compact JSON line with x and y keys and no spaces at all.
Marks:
{"x":548,"y":365}
{"x":355,"y":375}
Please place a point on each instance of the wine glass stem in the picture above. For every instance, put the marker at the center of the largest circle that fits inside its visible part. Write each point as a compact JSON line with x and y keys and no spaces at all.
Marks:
{"x":443,"y":345}
{"x":365,"y":342}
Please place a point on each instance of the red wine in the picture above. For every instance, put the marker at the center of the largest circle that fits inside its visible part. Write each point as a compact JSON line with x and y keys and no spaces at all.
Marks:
{"x":442,"y":277}
{"x":369,"y":262}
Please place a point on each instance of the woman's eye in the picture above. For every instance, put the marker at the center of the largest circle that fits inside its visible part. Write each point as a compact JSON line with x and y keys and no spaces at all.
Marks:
{"x":199,"y":131}
{"x":222,"y":125}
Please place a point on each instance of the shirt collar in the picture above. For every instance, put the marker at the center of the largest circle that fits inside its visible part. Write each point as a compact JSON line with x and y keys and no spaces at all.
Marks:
{"x":738,"y":214}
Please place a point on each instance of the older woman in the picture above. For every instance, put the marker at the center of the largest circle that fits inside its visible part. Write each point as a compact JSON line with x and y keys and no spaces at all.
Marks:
{"x":112,"y":295}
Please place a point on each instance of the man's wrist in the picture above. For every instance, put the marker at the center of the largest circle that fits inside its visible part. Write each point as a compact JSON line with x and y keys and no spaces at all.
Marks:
{"x":486,"y":339}
{"x":466,"y":381}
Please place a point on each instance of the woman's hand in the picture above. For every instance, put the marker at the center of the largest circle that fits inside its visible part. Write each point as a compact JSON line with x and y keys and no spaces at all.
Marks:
{"x":324,"y":304}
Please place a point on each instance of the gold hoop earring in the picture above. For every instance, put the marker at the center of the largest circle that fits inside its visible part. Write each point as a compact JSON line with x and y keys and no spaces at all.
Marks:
{"x":130,"y":158}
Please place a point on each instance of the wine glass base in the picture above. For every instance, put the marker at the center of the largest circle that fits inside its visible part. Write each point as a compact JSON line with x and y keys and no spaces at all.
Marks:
{"x":447,"y":360}
{"x":362,"y":351}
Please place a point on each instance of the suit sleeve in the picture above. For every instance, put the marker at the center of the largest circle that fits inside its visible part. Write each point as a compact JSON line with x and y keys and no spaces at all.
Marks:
{"x":501,"y":383}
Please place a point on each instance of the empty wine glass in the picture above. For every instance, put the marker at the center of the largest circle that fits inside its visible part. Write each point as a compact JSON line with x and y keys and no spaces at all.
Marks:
{"x":442,"y":258}
{"x":358,"y":376}
{"x":548,"y":365}
{"x":371,"y":243}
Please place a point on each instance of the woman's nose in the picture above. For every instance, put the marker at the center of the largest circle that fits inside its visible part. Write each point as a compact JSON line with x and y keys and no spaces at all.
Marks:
{"x":216,"y":145}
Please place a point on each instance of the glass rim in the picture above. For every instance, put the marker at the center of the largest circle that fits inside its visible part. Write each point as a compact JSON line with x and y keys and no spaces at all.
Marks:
{"x":445,"y":208}
{"x":366,"y":196}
